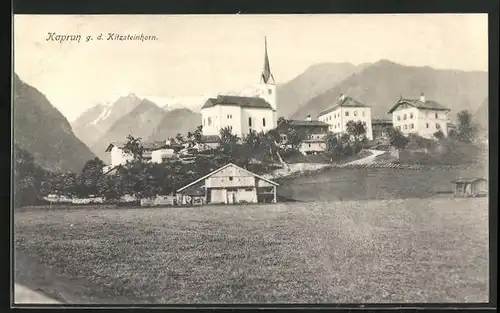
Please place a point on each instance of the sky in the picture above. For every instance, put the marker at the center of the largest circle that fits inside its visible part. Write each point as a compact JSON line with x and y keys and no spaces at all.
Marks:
{"x":197,"y":56}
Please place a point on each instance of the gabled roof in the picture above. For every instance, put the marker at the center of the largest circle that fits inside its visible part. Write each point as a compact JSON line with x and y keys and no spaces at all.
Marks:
{"x":381,"y":121}
{"x":428,"y":104}
{"x":149,"y":146}
{"x":468,"y":180}
{"x":306,"y":123}
{"x":345,"y":101}
{"x":244,"y":102}
{"x":220,"y":169}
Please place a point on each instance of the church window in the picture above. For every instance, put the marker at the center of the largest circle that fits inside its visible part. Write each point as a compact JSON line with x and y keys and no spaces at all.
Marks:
{"x":263,"y":122}
{"x":355,"y":113}
{"x":426,"y":125}
{"x":436,"y":115}
{"x":249,"y":122}
{"x":438,"y":126}
{"x":209,"y":121}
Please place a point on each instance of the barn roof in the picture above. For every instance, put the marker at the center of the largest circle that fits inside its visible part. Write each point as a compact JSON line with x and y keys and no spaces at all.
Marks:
{"x":245,"y":102}
{"x":468,"y":180}
{"x":344,"y":101}
{"x":428,"y":104}
{"x":220,"y":169}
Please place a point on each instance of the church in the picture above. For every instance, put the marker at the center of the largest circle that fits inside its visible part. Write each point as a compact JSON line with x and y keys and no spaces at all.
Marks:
{"x":243,"y":114}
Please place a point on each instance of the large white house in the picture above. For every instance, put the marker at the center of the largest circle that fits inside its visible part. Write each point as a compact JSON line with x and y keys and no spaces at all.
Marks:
{"x":243,"y":114}
{"x":344,"y":110}
{"x":420,"y":116}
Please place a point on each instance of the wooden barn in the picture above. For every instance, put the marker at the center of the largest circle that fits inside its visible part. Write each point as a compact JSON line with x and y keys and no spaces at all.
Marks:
{"x":228,"y":184}
{"x":470,"y":187}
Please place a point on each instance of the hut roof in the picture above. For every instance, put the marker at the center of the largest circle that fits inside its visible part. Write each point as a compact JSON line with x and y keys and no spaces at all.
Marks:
{"x":468,"y":180}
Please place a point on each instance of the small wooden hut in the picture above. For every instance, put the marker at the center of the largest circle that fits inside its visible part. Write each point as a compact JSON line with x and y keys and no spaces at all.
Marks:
{"x":470,"y":187}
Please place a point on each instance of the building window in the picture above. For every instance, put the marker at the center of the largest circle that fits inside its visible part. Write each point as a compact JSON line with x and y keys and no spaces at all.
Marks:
{"x":309,"y":145}
{"x":436,"y":115}
{"x":426,"y":125}
{"x":405,"y":126}
{"x":438,"y":126}
{"x":263,"y":122}
{"x":209,"y":121}
{"x":363,"y":113}
{"x":249,"y":122}
{"x":230,"y":178}
{"x":355,"y":113}
{"x":346,"y":113}
{"x":248,"y":189}
{"x":269,"y":91}
{"x":404,"y":117}
{"x":411,"y":115}
{"x":411,"y":126}
{"x":399,"y":118}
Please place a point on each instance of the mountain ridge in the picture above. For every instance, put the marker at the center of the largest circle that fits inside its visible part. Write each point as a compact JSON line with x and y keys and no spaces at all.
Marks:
{"x":380,"y":85}
{"x":42,"y":130}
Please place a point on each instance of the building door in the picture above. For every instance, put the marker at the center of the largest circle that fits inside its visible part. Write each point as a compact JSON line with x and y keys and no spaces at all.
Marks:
{"x":231,"y":195}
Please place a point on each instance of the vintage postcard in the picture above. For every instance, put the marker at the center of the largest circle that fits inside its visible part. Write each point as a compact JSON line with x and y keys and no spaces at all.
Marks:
{"x":250,"y":159}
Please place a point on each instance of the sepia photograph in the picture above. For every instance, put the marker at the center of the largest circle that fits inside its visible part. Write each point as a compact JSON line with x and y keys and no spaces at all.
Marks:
{"x":250,"y":159}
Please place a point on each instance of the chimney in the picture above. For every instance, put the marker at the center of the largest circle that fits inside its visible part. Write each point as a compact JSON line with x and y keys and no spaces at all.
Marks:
{"x":308,"y":118}
{"x":342,"y":97}
{"x":422,"y":97}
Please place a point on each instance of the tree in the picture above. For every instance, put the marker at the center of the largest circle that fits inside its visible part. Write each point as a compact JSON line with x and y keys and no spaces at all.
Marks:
{"x":134,"y":147}
{"x":28,"y":178}
{"x":356,"y":130}
{"x":397,"y":140}
{"x":179,"y":138}
{"x":439,"y":135}
{"x":87,"y":182}
{"x":466,"y":130}
{"x":281,"y":120}
{"x":228,"y":141}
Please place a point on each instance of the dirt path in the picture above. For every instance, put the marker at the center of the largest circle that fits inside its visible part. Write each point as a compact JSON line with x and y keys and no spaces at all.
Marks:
{"x":24,"y":295}
{"x":369,"y":159}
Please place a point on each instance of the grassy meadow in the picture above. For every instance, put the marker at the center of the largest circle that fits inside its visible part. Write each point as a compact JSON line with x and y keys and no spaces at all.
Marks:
{"x":335,"y":184}
{"x":378,"y":251}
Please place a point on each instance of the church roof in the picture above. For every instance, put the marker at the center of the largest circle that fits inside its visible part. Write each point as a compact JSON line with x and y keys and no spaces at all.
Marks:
{"x":245,"y":102}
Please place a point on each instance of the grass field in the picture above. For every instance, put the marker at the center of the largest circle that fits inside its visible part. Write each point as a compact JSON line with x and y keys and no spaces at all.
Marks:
{"x":372,"y":184}
{"x":413,"y":250}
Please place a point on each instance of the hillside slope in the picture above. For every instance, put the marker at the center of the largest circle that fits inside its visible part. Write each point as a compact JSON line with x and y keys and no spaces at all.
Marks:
{"x":481,"y":115}
{"x":176,"y":121}
{"x":315,"y":80}
{"x":381,"y":84}
{"x":42,"y":130}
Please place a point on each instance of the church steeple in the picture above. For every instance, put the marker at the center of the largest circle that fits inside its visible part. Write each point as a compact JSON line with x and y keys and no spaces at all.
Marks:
{"x":267,"y":77}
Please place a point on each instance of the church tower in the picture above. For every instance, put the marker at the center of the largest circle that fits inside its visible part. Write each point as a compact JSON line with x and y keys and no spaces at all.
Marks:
{"x":267,"y":87}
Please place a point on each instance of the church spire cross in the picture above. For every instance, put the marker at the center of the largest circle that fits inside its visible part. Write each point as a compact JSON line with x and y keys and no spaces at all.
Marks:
{"x":266,"y":72}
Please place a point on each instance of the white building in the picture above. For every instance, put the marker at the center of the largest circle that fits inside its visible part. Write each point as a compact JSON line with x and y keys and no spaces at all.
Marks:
{"x":243,"y":114}
{"x":420,"y":116}
{"x":229,"y":184}
{"x":160,"y":155}
{"x":152,"y":152}
{"x":344,"y":110}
